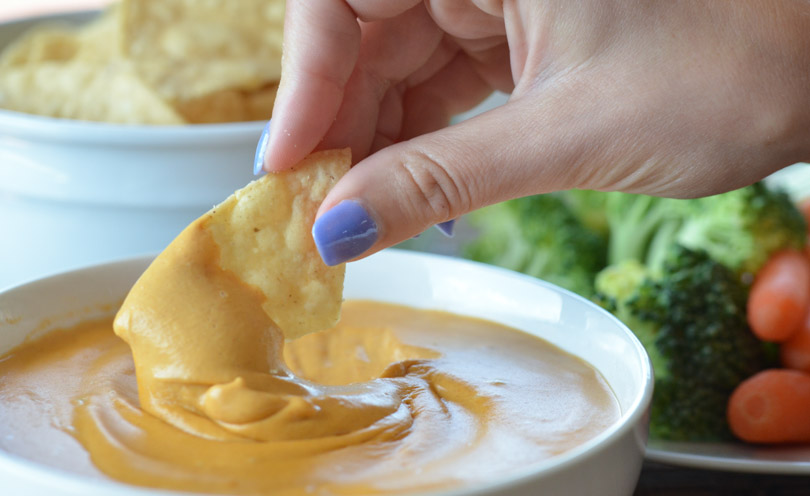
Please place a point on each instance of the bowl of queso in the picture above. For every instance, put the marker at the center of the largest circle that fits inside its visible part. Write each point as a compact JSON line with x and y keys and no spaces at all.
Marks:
{"x":442,"y":377}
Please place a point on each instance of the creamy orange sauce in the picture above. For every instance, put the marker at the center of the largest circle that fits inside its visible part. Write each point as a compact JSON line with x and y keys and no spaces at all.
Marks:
{"x":474,"y":400}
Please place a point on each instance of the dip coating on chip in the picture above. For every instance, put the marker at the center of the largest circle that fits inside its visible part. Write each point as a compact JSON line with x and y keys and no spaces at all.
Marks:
{"x":207,"y":320}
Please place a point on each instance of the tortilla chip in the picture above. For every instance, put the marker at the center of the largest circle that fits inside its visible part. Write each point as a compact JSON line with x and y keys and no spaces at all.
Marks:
{"x":151,"y":62}
{"x":61,"y":42}
{"x":189,"y":48}
{"x":229,"y":106}
{"x":84,"y":91}
{"x":260,"y":103}
{"x":263,"y":234}
{"x":100,"y":40}
{"x":48,"y":43}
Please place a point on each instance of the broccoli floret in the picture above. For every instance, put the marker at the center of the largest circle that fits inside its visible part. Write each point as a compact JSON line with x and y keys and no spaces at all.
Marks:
{"x":539,"y":236}
{"x":691,"y":318}
{"x":617,"y":285}
{"x":742,"y":228}
{"x":688,"y":410}
{"x":588,"y":206}
{"x":677,"y":274}
{"x":641,"y":227}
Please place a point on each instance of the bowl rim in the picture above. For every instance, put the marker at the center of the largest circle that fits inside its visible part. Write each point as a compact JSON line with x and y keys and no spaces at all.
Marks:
{"x":75,"y":131}
{"x":629,"y":419}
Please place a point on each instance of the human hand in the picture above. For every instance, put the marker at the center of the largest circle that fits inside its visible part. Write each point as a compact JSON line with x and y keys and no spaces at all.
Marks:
{"x":678,"y":99}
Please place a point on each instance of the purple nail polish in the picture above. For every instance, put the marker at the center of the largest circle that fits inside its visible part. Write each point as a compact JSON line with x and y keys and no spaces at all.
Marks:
{"x":446,"y":227}
{"x":261,"y":148}
{"x":344,"y":232}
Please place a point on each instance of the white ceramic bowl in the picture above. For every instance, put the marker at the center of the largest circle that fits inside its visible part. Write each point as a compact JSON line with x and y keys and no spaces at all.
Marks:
{"x":74,"y":193}
{"x":607,"y":465}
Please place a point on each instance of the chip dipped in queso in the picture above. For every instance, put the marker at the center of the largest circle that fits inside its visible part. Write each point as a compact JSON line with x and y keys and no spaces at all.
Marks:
{"x":213,"y":386}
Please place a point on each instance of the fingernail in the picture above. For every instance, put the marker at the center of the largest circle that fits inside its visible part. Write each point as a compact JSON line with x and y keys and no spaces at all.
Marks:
{"x":344,"y":232}
{"x":446,"y":227}
{"x":258,"y":160}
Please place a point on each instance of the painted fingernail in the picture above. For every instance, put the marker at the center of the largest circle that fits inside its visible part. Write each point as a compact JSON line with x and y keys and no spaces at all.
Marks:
{"x":344,"y":232}
{"x":258,"y":160}
{"x":446,"y":227}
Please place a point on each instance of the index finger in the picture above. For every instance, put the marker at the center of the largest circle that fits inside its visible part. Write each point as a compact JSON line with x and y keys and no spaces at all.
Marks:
{"x":321,"y":44}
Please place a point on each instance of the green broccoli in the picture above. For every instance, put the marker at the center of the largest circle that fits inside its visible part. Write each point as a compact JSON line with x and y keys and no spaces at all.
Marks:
{"x":588,"y":206}
{"x":539,"y":236}
{"x":675,"y":271}
{"x":742,"y":228}
{"x":641,"y":227}
{"x":690,"y":316}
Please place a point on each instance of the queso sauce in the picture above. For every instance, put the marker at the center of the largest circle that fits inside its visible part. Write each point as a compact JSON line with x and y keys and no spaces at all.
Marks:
{"x":390,"y":400}
{"x":479,"y":400}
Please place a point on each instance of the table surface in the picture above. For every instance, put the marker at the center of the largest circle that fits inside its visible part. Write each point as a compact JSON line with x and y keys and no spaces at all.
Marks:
{"x":666,"y":480}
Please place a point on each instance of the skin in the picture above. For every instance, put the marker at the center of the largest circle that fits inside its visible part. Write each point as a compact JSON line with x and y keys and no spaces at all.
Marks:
{"x":680,"y":99}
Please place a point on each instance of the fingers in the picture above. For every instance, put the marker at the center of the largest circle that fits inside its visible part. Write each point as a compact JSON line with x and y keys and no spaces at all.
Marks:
{"x":376,"y":72}
{"x":405,"y":188}
{"x":557,"y":136}
{"x":455,"y":89}
{"x":321,"y":46}
{"x":374,"y":10}
{"x":336,"y":69}
{"x":409,"y":112}
{"x":322,"y":43}
{"x":461,"y":19}
{"x":400,"y":191}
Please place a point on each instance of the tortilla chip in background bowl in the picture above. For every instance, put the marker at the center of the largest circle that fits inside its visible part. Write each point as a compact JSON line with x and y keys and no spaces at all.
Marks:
{"x":77,"y":192}
{"x":229,"y":106}
{"x":189,"y":48}
{"x":186,"y":61}
{"x":80,"y":90}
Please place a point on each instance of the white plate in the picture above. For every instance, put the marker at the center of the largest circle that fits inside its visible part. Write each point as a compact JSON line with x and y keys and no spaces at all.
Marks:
{"x":735,"y":457}
{"x":739,"y":457}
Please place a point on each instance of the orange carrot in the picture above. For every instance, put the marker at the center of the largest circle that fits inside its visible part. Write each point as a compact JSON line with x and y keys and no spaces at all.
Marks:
{"x":780,"y":296}
{"x":795,"y":352}
{"x":773,"y":406}
{"x":807,"y":245}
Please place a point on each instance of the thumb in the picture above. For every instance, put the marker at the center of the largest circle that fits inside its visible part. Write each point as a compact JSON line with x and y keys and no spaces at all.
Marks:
{"x":514,"y":150}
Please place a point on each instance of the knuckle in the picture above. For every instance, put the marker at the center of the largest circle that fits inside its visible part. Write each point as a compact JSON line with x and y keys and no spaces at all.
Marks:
{"x":433,"y":184}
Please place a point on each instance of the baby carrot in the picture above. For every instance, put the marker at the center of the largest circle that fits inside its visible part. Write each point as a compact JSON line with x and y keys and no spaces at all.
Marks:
{"x":780,"y":296}
{"x":773,"y":406}
{"x":807,"y":245}
{"x":795,"y":352}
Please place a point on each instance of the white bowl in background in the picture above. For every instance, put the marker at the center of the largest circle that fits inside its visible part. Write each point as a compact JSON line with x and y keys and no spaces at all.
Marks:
{"x":607,"y":465}
{"x":74,"y":193}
